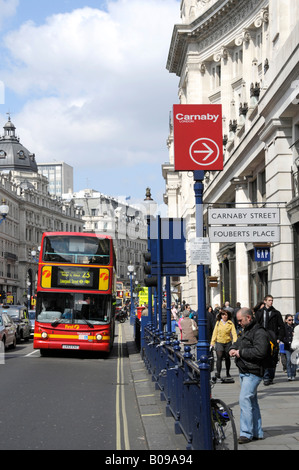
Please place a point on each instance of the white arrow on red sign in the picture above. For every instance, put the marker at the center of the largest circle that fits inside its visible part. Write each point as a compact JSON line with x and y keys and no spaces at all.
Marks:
{"x":197,"y":151}
{"x":208,"y":152}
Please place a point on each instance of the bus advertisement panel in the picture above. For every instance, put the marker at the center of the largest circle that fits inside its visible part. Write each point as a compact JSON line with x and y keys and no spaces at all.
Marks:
{"x":75,"y":305}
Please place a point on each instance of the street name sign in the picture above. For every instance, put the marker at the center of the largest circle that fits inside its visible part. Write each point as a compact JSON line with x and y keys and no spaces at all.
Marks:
{"x":243,"y":216}
{"x":198,"y":138}
{"x":200,"y":251}
{"x":239,"y":234}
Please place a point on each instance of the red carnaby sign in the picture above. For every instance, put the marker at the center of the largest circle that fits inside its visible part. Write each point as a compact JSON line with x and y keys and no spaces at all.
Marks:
{"x":198,"y":140}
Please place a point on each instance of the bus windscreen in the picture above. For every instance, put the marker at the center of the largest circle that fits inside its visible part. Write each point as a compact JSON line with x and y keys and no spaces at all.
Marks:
{"x":71,"y":308}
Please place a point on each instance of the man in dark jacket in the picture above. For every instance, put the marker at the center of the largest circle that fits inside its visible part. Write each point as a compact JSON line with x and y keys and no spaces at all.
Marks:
{"x":271,"y":320}
{"x":251,"y":352}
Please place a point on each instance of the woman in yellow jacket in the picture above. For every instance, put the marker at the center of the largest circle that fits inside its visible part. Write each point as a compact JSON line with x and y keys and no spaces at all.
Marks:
{"x":223,"y":335}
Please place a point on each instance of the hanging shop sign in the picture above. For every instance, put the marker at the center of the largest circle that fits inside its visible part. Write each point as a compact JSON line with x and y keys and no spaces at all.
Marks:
{"x":198,"y":137}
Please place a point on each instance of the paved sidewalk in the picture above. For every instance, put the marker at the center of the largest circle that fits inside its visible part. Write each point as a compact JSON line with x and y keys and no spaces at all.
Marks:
{"x":279,"y":410}
{"x":278,"y":404}
{"x":159,"y":429}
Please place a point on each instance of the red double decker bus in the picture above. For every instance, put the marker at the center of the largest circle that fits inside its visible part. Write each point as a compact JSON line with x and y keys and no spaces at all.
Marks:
{"x":75,"y":305}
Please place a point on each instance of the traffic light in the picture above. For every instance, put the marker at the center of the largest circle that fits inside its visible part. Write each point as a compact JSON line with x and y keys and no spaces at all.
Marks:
{"x":2,"y":297}
{"x":151,"y":281}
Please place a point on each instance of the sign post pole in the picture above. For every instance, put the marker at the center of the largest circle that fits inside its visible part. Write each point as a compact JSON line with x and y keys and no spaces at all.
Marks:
{"x":168,"y":304}
{"x":159,"y":274}
{"x":202,"y":344}
{"x":198,"y":145}
{"x":149,"y":299}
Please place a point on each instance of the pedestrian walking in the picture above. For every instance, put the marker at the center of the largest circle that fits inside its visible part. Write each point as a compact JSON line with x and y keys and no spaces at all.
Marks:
{"x":174,"y":311}
{"x":190,"y":311}
{"x":223,"y":335}
{"x":271,"y":320}
{"x":144,"y":312}
{"x":174,"y":326}
{"x":287,"y":340}
{"x":283,"y":358}
{"x":164,"y":316}
{"x":189,"y":331}
{"x":251,"y":352}
{"x":257,"y":307}
{"x":228,"y":307}
{"x":211,"y":322}
{"x":234,"y":317}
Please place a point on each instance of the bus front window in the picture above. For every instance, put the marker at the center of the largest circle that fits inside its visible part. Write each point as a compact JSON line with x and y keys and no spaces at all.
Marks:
{"x":73,"y":308}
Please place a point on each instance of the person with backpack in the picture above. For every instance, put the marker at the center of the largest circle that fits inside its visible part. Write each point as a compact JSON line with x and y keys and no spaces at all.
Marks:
{"x":271,"y":319}
{"x":251,"y":353}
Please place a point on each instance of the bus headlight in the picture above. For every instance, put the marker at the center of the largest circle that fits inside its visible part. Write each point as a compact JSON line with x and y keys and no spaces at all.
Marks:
{"x":44,"y":335}
{"x":99,"y":337}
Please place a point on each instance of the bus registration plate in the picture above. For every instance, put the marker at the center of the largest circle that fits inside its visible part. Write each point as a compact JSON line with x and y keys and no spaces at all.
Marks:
{"x":69,"y":346}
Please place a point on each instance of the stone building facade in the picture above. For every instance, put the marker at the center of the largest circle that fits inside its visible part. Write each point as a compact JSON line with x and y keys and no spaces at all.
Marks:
{"x":243,"y":54}
{"x":125,"y":222}
{"x":32,"y":211}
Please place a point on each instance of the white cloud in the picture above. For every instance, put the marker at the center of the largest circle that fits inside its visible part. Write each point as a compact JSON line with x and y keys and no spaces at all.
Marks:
{"x":86,"y":49}
{"x":95,"y":83}
{"x":66,"y":55}
{"x":7,"y":8}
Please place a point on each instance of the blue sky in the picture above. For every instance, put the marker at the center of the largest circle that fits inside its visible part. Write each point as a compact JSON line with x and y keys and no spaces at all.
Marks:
{"x":86,"y":83}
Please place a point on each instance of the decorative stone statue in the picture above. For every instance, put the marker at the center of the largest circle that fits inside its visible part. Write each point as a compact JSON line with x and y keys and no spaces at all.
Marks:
{"x":148,"y":196}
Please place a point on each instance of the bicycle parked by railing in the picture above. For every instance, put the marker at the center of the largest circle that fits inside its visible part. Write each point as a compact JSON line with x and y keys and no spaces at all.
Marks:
{"x":224,"y":432}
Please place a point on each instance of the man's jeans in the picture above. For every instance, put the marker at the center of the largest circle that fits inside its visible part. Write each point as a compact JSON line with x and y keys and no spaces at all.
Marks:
{"x":250,"y":419}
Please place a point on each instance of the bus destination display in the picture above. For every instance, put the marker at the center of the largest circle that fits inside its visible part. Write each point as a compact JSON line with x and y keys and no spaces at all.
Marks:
{"x":74,"y":277}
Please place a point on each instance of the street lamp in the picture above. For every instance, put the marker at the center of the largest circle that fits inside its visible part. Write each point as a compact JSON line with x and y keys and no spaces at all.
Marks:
{"x":35,"y":254}
{"x":28,"y":294}
{"x":132,"y":309}
{"x":4,"y":209}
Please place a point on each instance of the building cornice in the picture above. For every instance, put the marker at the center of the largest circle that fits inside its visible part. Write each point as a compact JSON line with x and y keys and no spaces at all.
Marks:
{"x":214,"y":25}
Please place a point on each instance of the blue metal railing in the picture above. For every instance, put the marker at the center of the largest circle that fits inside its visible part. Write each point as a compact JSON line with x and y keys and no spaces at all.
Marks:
{"x":177,"y":377}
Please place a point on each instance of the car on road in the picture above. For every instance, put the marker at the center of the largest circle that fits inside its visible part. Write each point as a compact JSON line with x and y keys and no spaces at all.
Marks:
{"x":19,"y":315}
{"x":8,"y":331}
{"x":32,"y":321}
